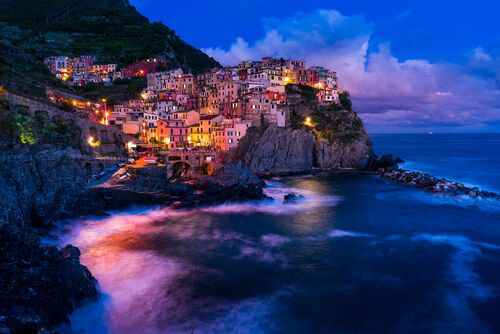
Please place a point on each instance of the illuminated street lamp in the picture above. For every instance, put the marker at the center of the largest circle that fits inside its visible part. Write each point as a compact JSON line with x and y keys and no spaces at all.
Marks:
{"x":106,"y":114}
{"x":92,"y":142}
{"x":308,"y":121}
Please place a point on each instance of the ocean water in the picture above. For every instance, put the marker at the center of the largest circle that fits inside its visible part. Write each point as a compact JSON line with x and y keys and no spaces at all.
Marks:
{"x":473,"y":159}
{"x":357,"y":255}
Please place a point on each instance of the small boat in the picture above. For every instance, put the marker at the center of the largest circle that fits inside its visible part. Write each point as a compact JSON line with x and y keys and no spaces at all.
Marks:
{"x":430,"y":132}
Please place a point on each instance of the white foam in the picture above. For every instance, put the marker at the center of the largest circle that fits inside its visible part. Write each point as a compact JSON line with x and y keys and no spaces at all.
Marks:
{"x":274,"y":240}
{"x":483,"y":204}
{"x":467,"y":285}
{"x":342,"y":234}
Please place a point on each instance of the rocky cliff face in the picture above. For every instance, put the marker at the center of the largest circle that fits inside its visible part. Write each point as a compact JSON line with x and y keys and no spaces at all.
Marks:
{"x":357,"y":154}
{"x":39,"y":285}
{"x":324,"y":137}
{"x":285,"y":150}
{"x":279,"y":150}
{"x":39,"y":183}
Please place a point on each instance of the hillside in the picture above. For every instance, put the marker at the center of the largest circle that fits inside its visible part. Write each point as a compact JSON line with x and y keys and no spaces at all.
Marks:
{"x":31,"y":30}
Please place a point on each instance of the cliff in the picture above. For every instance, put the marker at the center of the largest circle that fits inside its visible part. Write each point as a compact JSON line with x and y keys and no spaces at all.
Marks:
{"x":279,"y":150}
{"x":324,"y":137}
{"x":43,"y":178}
{"x":39,"y":285}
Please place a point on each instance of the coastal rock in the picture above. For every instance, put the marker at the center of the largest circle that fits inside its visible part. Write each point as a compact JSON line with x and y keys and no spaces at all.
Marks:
{"x":40,"y":284}
{"x":433,"y":184}
{"x":292,"y":198}
{"x":386,"y":161}
{"x":356,"y":154}
{"x":287,"y":151}
{"x":231,"y":182}
{"x":280,"y":150}
{"x":39,"y":184}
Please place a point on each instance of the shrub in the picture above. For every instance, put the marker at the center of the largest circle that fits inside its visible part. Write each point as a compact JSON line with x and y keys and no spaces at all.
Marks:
{"x":345,"y":101}
{"x":25,"y":129}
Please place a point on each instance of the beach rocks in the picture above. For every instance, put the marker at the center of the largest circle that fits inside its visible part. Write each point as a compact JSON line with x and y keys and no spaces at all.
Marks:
{"x":40,"y":284}
{"x":292,"y":198}
{"x":433,"y":184}
{"x":388,"y":161}
{"x":231,"y":182}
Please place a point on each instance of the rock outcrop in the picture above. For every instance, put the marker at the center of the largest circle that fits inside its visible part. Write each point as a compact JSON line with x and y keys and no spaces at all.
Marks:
{"x":39,"y":285}
{"x":357,"y":154}
{"x":151,"y":185}
{"x":232,"y":183}
{"x":39,"y":184}
{"x":287,"y":151}
{"x":280,"y":150}
{"x":319,"y":137}
{"x":434,"y":184}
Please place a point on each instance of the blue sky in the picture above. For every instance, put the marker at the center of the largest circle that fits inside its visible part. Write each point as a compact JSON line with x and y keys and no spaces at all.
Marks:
{"x":410,"y":65}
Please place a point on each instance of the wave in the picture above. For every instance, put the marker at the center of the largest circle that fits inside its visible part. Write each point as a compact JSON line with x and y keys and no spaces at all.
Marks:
{"x":467,"y":286}
{"x":342,"y":234}
{"x":408,"y":194}
{"x":274,"y":205}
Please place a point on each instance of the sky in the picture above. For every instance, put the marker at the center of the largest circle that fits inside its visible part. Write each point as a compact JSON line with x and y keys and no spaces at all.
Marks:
{"x":409,"y":65}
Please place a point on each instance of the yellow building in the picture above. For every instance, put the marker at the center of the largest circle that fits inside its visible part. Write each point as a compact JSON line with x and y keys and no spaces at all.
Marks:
{"x":202,"y":134}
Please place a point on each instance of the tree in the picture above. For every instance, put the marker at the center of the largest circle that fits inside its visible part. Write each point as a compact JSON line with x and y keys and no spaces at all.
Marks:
{"x":25,"y":125}
{"x":345,"y":101}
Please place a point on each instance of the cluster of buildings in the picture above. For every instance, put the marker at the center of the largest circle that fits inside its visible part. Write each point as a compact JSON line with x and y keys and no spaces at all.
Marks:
{"x":214,"y":109}
{"x":80,"y":70}
{"x":83,"y":70}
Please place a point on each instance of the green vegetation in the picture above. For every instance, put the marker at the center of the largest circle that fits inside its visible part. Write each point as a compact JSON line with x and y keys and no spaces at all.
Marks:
{"x":31,"y":30}
{"x":121,"y":90}
{"x":20,"y":73}
{"x":332,"y":122}
{"x":111,"y":29}
{"x":345,"y":101}
{"x":340,"y":125}
{"x":307,"y":94}
{"x":25,"y":128}
{"x":22,"y":128}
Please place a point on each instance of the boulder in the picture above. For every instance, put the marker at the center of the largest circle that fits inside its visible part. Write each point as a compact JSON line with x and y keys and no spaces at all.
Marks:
{"x":385,"y":161}
{"x":42,"y":284}
{"x":292,"y":198}
{"x":232,"y":182}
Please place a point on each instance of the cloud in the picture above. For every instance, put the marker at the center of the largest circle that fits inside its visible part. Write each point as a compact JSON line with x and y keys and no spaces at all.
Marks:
{"x":389,"y":93}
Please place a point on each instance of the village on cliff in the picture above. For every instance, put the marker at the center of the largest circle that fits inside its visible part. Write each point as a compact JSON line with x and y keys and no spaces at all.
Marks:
{"x":181,"y":111}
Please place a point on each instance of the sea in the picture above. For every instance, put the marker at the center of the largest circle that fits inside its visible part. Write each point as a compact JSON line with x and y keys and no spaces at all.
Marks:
{"x":358,"y":254}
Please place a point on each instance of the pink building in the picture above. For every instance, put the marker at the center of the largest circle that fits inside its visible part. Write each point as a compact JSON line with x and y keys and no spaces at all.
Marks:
{"x":228,"y":135}
{"x":172,"y":133}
